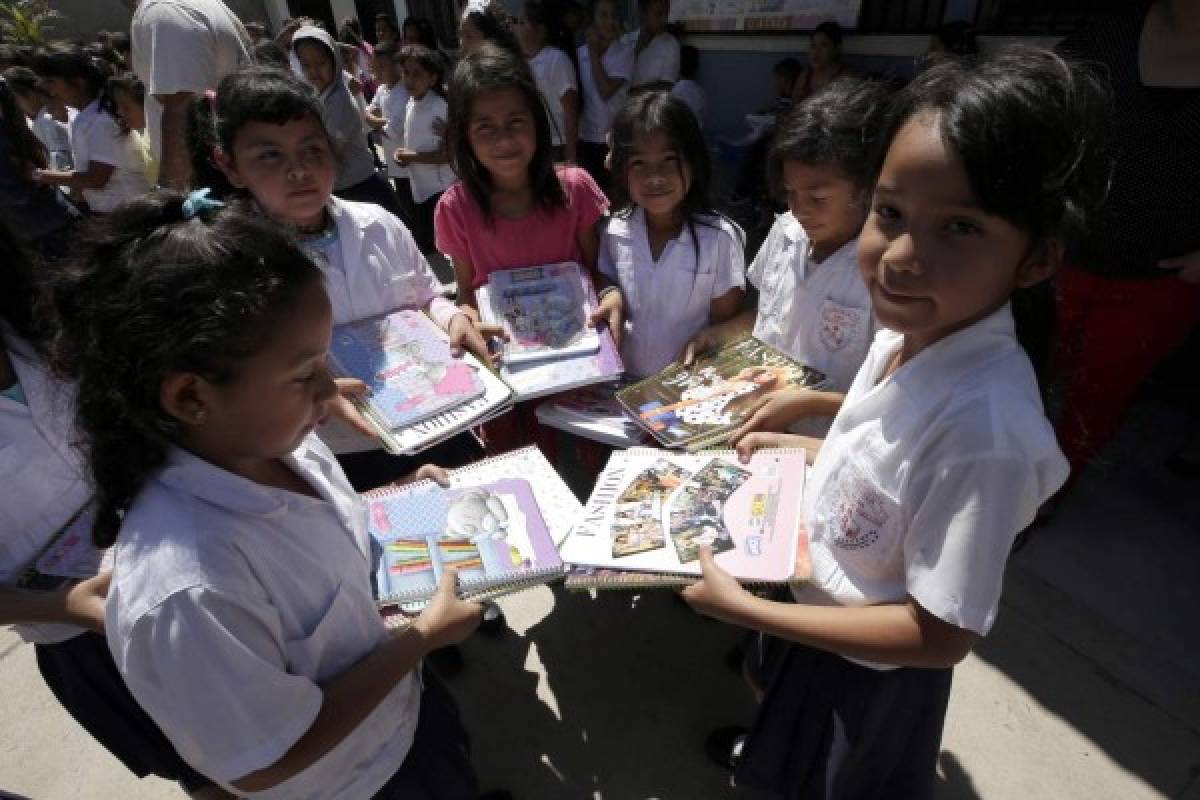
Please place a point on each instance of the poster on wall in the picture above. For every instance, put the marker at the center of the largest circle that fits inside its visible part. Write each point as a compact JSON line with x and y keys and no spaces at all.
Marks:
{"x":704,"y":16}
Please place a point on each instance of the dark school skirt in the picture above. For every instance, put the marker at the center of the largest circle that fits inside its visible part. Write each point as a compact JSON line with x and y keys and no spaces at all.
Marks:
{"x":82,"y":675}
{"x":828,"y":728}
{"x":374,"y":468}
{"x":438,"y":767}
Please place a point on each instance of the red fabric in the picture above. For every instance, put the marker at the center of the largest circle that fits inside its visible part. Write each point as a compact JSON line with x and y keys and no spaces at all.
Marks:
{"x":1111,"y":335}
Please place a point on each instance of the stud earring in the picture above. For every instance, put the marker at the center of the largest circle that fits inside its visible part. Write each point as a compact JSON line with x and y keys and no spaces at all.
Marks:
{"x":201,"y":416}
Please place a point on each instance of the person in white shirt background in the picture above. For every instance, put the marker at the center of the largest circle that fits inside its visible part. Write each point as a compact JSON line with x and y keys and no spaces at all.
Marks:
{"x":687,"y":88}
{"x":240,"y":612}
{"x":44,"y":121}
{"x":812,"y":302}
{"x":941,"y":452}
{"x":104,"y":172}
{"x":657,"y":51}
{"x":605,"y":66}
{"x":181,"y":48}
{"x":550,"y":50}
{"x":423,"y":150}
{"x":385,"y":116}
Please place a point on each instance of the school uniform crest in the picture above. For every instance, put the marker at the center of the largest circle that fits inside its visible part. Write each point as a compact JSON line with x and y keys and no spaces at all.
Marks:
{"x":856,"y":512}
{"x":839,"y":325}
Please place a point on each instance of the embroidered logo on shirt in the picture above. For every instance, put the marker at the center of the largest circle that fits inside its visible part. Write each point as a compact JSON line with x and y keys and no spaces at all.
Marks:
{"x":856,"y":512}
{"x":839,"y":325}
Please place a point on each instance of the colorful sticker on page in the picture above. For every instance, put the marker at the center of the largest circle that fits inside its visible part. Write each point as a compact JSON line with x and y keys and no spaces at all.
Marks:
{"x":697,"y":513}
{"x":637,"y":520}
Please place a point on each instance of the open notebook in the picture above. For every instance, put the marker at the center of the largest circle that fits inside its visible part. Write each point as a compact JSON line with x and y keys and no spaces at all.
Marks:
{"x":652,"y":510}
{"x":498,"y":523}
{"x":419,"y":394}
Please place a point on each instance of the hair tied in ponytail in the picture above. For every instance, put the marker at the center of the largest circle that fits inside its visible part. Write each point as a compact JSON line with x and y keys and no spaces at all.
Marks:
{"x":198,"y":202}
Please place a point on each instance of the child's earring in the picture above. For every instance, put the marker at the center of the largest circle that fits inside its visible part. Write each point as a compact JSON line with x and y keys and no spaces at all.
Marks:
{"x":201,"y":416}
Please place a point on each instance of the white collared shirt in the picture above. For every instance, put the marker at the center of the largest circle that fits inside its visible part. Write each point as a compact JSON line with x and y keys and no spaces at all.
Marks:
{"x":95,"y":136}
{"x":41,"y":476}
{"x":391,"y":102}
{"x":555,"y":76}
{"x":927,"y":476}
{"x":658,"y":61}
{"x":818,"y":313}
{"x":232,"y":603}
{"x":426,"y":180}
{"x":596,"y":119}
{"x":375,"y":267}
{"x":667,"y":302}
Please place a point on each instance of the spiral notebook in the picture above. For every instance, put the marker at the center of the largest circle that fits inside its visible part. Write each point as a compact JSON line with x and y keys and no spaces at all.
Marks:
{"x":592,"y":412}
{"x":698,"y":406}
{"x":652,"y":510}
{"x":543,"y":311}
{"x":498,"y":523}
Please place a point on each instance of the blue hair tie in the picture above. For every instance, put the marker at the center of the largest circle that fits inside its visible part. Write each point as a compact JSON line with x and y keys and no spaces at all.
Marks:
{"x":198,"y":201}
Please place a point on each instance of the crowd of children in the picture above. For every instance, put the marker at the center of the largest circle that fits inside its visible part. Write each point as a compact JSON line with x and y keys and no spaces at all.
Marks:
{"x":167,"y":377}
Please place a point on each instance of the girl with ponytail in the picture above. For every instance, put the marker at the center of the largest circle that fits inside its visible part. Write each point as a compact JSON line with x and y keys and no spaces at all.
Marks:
{"x":240,"y":613}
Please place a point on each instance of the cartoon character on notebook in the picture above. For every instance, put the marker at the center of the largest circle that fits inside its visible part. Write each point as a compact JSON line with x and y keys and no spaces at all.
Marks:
{"x":418,"y":380}
{"x":543,"y":320}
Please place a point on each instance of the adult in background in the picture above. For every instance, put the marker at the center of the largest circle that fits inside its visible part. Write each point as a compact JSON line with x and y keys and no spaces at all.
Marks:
{"x":180,"y":49}
{"x":656,"y":50}
{"x":824,"y":61}
{"x":1130,"y":294}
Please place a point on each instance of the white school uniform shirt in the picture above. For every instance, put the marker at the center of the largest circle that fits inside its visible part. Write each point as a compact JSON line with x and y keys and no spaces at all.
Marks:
{"x":927,"y":476}
{"x":667,"y":303}
{"x":41,"y":477}
{"x":232,"y":602}
{"x":55,"y":136}
{"x":596,"y":119}
{"x":691,"y":93}
{"x":555,"y":76}
{"x":391,"y":103}
{"x":818,"y":313}
{"x":96,"y":136}
{"x":658,"y":61}
{"x":426,"y":180}
{"x":375,"y":267}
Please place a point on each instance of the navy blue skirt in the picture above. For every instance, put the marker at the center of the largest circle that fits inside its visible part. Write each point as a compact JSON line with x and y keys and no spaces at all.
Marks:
{"x":828,"y":728}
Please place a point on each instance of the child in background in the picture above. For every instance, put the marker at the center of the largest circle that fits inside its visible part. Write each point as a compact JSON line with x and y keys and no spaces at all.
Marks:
{"x":45,"y":491}
{"x":125,"y":98}
{"x":812,"y":302}
{"x":54,"y":134}
{"x":385,"y":116}
{"x":485,"y":21}
{"x":686,"y":88}
{"x":422,"y":151}
{"x":941,"y":451}
{"x":240,"y":613}
{"x":271,"y":144}
{"x":605,"y":66}
{"x":321,"y":61}
{"x":104,"y":174}
{"x":678,"y":263}
{"x":657,"y":51}
{"x":548,"y":46}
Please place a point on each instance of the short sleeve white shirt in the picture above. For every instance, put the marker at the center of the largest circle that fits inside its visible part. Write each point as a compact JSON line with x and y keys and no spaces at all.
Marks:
{"x":95,"y":136}
{"x":691,"y":93}
{"x":41,"y":479}
{"x":426,"y":180}
{"x":658,"y":61}
{"x":818,"y":313}
{"x":667,"y":302}
{"x":183,"y":46}
{"x":555,"y":76}
{"x":392,"y":101}
{"x":927,"y":476}
{"x":597,"y":116}
{"x":55,"y":136}
{"x":232,"y":603}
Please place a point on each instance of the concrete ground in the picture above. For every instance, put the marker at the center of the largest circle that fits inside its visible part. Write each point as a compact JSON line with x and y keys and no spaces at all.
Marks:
{"x":1088,"y":687}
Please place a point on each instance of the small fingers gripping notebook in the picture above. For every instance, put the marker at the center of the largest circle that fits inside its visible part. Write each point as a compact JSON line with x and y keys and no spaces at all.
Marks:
{"x":652,"y":511}
{"x":499,"y":532}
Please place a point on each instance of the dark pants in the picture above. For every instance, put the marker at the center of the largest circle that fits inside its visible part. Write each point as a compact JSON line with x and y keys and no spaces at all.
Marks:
{"x":82,"y":675}
{"x":438,"y":767}
{"x":422,"y":229}
{"x":378,"y":191}
{"x":591,"y":158}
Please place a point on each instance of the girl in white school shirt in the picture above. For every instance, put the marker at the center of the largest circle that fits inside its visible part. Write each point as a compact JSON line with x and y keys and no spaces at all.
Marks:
{"x":240,"y":612}
{"x":43,"y":491}
{"x":812,"y":302}
{"x":677,"y":264}
{"x":941,"y":452}
{"x":547,"y":44}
